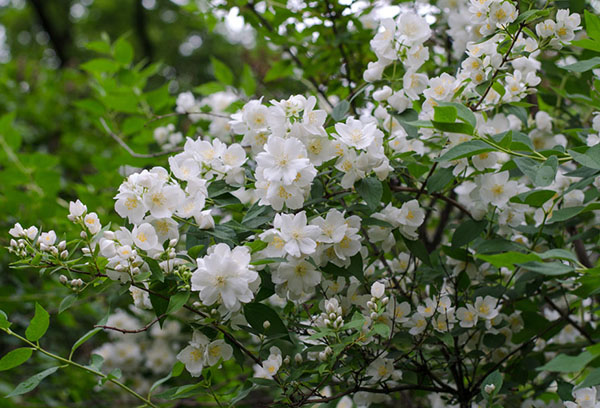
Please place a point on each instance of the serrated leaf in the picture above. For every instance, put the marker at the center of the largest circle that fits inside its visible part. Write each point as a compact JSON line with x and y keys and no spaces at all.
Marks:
{"x":38,"y":325}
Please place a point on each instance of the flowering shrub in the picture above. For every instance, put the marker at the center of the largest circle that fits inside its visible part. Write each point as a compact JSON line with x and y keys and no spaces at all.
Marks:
{"x":428,"y":236}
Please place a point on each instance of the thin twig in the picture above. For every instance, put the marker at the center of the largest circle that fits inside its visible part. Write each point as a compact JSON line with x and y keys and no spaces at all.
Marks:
{"x":130,"y":150}
{"x":126,"y":331}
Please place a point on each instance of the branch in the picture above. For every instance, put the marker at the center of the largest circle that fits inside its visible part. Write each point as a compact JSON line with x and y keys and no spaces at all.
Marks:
{"x":130,"y":150}
{"x":125,"y":331}
{"x":436,"y":195}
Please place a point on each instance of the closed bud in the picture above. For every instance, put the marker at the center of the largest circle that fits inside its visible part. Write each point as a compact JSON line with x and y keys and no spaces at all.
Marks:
{"x":13,"y":243}
{"x":328,"y":350}
{"x":54,"y":250}
{"x":286,"y":359}
{"x":196,"y":304}
{"x":86,"y":251}
{"x":322,"y":356}
{"x":332,"y":316}
{"x":62,"y":245}
{"x":63,"y":279}
{"x":489,"y":388}
{"x":266,"y":324}
{"x":135,"y":270}
{"x":385,"y":300}
{"x":373,"y":315}
{"x":370,"y":304}
{"x":173,"y":242}
{"x":298,"y":358}
{"x":327,"y":322}
{"x":83,"y":235}
{"x":172,"y":254}
{"x":64,"y":254}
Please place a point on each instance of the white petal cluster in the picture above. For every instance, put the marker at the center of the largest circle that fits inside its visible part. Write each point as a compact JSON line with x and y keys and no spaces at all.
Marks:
{"x":201,"y":352}
{"x":224,"y":276}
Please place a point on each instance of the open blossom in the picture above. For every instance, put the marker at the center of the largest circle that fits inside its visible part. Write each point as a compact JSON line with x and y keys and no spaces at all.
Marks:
{"x":355,"y":133}
{"x":224,"y":276}
{"x":495,"y":188}
{"x":299,"y":276}
{"x":282,"y":159}
{"x":412,"y":29}
{"x":76,"y":210}
{"x":487,"y":307}
{"x":299,"y":238}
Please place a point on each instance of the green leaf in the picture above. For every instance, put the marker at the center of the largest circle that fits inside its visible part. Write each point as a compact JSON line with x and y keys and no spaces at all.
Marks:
{"x":31,"y":382}
{"x":100,"y":66}
{"x":340,"y":110}
{"x":356,"y":267}
{"x":4,"y":323}
{"x":592,"y":25}
{"x":15,"y":358}
{"x":371,"y":190}
{"x":508,"y":259}
{"x":38,"y":325}
{"x":458,"y":127}
{"x":547,"y":268}
{"x":222,"y":72}
{"x":494,"y":379}
{"x":546,"y":172}
{"x":465,"y":114}
{"x":591,"y":380}
{"x":533,"y":198}
{"x":157,"y":272}
{"x":440,"y":179}
{"x":466,"y":149}
{"x":98,"y":46}
{"x":446,"y":114}
{"x":467,"y":232}
{"x":159,"y":303}
{"x":177,"y":301}
{"x":568,"y":364}
{"x":282,"y":68}
{"x":67,"y":302}
{"x":591,"y":158}
{"x":84,"y":338}
{"x":257,"y":314}
{"x":247,"y":82}
{"x":587,"y":43}
{"x":417,"y":248}
{"x":258,"y":215}
{"x":583,"y":66}
{"x":123,"y":51}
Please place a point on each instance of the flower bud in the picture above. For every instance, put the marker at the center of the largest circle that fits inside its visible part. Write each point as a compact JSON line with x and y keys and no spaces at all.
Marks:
{"x":327,"y":322}
{"x":173,"y":242}
{"x":86,"y":251}
{"x":266,"y":324}
{"x":373,"y":316}
{"x":322,"y":356}
{"x":109,"y":235}
{"x":64,"y":254}
{"x":286,"y":359}
{"x":63,"y":279}
{"x":62,"y":245}
{"x":43,"y":247}
{"x":83,"y":234}
{"x":489,"y":388}
{"x":13,"y":243}
{"x":298,"y":358}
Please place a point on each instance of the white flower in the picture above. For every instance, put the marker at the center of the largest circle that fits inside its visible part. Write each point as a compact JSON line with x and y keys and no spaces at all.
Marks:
{"x":193,"y":356}
{"x":128,"y":205}
{"x":380,"y":369}
{"x":162,"y":200}
{"x":411,"y":214}
{"x":282,"y":159}
{"x":467,"y":316}
{"x":486,"y":307}
{"x":224,"y":275}
{"x":76,"y":210}
{"x":496,"y":189}
{"x":356,"y":134}
{"x":47,"y":238}
{"x":417,"y":324}
{"x":502,"y":13}
{"x":383,"y":42}
{"x":412,"y":29}
{"x":144,"y":237}
{"x":92,"y":223}
{"x":300,"y":239}
{"x":299,"y":275}
{"x":218,"y":350}
{"x":585,"y":397}
{"x":489,"y":388}
{"x":17,"y":231}
{"x":377,"y":290}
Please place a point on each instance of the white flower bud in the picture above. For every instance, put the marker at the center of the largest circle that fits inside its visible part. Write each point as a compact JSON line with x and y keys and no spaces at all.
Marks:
{"x":83,"y":234}
{"x":373,"y":316}
{"x":370,"y":304}
{"x":173,"y":242}
{"x":172,"y":254}
{"x":266,"y":324}
{"x":377,"y":290}
{"x":54,"y":250}
{"x":327,"y":322}
{"x":13,"y":243}
{"x":298,"y":358}
{"x":135,"y":270}
{"x":322,"y":356}
{"x":109,"y":235}
{"x":489,"y":388}
{"x":62,"y":245}
{"x":196,"y":304}
{"x":63,"y":279}
{"x":286,"y":359}
{"x":385,"y":300}
{"x":332,"y":316}
{"x":64,"y":254}
{"x":328,"y":350}
{"x":86,"y":251}
{"x":43,"y":247}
